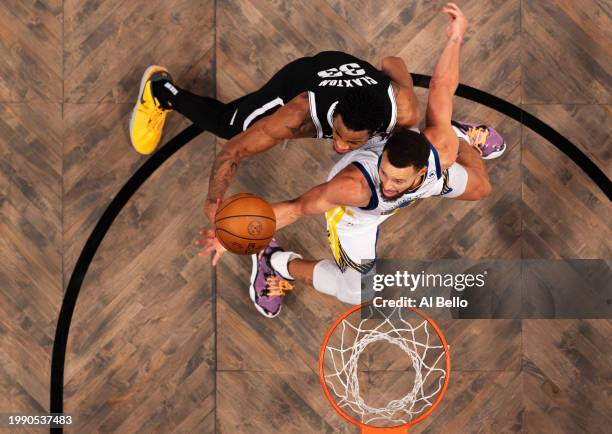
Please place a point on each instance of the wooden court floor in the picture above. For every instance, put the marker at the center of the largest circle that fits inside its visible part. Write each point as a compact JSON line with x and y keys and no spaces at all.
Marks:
{"x":145,"y":352}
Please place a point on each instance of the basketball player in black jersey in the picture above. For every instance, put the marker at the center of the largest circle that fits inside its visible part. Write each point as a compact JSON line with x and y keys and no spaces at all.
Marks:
{"x":330,"y":95}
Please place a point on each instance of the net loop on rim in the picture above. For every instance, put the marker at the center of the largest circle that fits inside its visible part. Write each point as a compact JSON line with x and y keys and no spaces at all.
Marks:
{"x":416,"y":337}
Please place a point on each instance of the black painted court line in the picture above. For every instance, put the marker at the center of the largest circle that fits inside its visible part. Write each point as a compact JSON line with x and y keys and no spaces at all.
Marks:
{"x":156,"y":160}
{"x":88,"y":253}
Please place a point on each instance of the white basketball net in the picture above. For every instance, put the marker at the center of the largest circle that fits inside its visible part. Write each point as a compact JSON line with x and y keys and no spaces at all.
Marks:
{"x":418,"y":341}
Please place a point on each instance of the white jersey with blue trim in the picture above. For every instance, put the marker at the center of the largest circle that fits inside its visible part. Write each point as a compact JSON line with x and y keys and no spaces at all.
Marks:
{"x":367,"y":160}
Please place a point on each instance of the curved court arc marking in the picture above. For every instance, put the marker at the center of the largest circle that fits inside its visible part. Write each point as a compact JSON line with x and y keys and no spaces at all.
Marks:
{"x":146,"y":170}
{"x":87,"y":254}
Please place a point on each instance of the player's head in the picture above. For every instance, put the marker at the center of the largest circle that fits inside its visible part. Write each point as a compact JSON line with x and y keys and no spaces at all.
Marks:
{"x":403,"y":163}
{"x":360,"y":114}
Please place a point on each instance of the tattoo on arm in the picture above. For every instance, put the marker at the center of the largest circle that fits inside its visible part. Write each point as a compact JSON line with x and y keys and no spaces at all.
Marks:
{"x":224,"y":169}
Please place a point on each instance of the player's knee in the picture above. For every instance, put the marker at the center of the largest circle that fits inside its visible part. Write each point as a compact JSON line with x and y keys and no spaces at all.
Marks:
{"x":329,"y":279}
{"x":350,"y":288}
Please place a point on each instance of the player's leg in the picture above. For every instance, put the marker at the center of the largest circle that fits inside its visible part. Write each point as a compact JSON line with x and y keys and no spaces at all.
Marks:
{"x":157,"y":96}
{"x":208,"y":113}
{"x":301,"y":269}
{"x":279,"y":90}
{"x":354,"y":251}
{"x":148,"y":116}
{"x":274,"y":269}
{"x":326,"y":277}
{"x":221,"y":119}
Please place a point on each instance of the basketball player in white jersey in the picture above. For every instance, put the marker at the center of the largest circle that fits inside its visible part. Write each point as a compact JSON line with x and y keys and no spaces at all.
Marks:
{"x":368,"y":185}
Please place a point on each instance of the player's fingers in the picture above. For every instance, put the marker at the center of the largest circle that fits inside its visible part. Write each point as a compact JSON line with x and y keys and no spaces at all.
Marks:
{"x":216,"y":258}
{"x":209,"y":237}
{"x":206,"y":251}
{"x":449,"y":12}
{"x":456,"y":9}
{"x":451,"y":7}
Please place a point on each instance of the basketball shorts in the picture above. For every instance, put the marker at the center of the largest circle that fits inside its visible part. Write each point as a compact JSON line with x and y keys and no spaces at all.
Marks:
{"x":280,"y":89}
{"x":352,"y":247}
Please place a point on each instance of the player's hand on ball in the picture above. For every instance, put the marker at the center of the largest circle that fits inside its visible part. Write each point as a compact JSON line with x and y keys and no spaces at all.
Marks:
{"x":211,"y":244}
{"x":457,"y":24}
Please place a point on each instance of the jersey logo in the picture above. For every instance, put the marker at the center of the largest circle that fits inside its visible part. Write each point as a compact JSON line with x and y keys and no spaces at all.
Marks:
{"x":333,"y":76}
{"x":171,"y":88}
{"x":445,"y":187}
{"x":348,"y":68}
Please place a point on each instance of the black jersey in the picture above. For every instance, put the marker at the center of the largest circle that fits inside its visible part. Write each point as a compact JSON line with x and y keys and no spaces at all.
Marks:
{"x":330,"y":75}
{"x":325,"y":77}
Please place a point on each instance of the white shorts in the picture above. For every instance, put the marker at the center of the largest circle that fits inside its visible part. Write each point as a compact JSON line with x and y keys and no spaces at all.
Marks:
{"x":454,"y":181}
{"x":353,"y":247}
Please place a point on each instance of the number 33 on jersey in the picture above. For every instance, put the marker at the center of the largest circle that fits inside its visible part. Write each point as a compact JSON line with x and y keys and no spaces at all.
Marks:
{"x":348,"y":70}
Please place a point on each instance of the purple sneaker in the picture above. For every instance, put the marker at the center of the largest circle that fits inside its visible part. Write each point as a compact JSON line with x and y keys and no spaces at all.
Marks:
{"x":487,"y":140}
{"x":267,"y":287}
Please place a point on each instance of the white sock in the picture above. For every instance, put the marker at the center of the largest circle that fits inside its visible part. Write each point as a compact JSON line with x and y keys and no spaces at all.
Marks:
{"x":280,"y":263}
{"x":461,"y":135}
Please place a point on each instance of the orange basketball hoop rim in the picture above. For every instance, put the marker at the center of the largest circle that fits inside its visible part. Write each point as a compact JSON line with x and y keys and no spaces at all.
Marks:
{"x":365,"y":428}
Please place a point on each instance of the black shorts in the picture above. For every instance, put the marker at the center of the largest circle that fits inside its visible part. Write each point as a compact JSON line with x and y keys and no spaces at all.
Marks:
{"x":279,"y":90}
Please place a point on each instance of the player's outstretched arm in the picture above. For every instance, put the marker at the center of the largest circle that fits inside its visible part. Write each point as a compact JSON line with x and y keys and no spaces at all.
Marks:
{"x":285,"y":123}
{"x":442,"y":87}
{"x":347,"y":188}
{"x":408,"y":113}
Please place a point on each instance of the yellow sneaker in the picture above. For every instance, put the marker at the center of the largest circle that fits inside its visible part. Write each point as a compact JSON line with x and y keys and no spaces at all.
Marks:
{"x":148,"y":116}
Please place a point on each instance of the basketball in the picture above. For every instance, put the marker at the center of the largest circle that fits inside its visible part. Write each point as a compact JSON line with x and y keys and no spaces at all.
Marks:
{"x":245,"y":223}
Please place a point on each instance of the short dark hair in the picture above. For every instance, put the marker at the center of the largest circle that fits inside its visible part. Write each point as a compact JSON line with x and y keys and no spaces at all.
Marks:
{"x":407,"y":148}
{"x":362,"y":108}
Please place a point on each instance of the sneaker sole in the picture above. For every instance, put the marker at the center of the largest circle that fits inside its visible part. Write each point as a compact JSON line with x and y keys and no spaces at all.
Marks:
{"x":143,"y":81}
{"x":253,"y":293}
{"x":496,"y":154}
